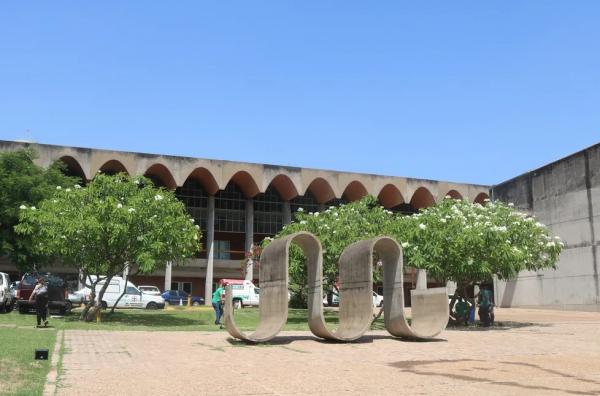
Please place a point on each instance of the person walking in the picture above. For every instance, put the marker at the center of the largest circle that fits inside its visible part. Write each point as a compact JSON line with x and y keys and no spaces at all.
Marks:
{"x":40,"y":293}
{"x":217,"y":303}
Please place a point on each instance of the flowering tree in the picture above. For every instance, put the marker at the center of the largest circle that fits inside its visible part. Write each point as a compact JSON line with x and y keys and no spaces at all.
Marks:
{"x":471,"y":243}
{"x":336,"y":228}
{"x":113,"y":222}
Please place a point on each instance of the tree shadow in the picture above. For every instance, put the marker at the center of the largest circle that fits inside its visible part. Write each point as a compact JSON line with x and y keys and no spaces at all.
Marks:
{"x":414,"y":367}
{"x":156,"y":320}
{"x":501,"y":325}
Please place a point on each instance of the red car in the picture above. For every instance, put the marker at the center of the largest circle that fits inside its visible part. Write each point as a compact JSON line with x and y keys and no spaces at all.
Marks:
{"x":57,"y":293}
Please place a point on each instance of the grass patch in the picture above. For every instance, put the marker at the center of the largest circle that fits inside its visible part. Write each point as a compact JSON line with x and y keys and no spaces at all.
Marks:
{"x":172,"y":319}
{"x":20,"y":374}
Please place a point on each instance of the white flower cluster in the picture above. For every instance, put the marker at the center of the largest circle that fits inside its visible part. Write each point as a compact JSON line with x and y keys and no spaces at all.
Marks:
{"x":158,"y":197}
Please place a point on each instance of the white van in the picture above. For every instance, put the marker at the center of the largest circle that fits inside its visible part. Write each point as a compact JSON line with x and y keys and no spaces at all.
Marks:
{"x":243,"y":292}
{"x":133,"y":297}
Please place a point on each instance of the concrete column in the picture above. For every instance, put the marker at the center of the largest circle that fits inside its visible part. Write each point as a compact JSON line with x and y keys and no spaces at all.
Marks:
{"x":168,"y":275}
{"x":249,"y":234}
{"x":451,"y":287}
{"x":287,"y":213}
{"x":421,"y":279}
{"x":210,"y":245}
{"x":125,"y":271}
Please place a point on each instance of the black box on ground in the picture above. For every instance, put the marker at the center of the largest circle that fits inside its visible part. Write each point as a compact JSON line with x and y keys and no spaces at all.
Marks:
{"x":41,"y":354}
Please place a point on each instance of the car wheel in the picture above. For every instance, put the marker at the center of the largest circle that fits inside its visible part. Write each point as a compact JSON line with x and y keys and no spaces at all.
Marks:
{"x":237,"y":304}
{"x":10,"y":307}
{"x":23,"y":310}
{"x":196,"y":303}
{"x":152,"y":305}
{"x":104,"y":305}
{"x":68,"y":307}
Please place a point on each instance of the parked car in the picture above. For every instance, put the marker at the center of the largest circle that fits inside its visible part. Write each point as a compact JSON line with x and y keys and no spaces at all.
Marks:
{"x":133,"y":297}
{"x":150,"y":290}
{"x":13,"y":289}
{"x":6,"y":297}
{"x":57,"y":293}
{"x":75,"y":299}
{"x":180,"y":297}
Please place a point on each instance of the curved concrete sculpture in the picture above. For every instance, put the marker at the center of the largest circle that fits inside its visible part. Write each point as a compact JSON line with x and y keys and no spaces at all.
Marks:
{"x":273,"y":278}
{"x":429,"y":306}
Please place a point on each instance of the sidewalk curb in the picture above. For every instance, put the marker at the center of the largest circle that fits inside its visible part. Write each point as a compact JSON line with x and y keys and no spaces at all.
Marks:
{"x":51,"y":379}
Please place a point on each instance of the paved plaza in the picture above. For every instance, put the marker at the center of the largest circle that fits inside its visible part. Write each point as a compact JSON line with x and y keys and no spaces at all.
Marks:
{"x":559,"y":354}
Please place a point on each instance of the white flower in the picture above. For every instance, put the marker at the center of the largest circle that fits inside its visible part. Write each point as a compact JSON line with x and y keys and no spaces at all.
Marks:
{"x":192,"y":220}
{"x":197,"y":226}
{"x":443,"y":220}
{"x":195,"y":237}
{"x":316,"y":214}
{"x":422,"y":226}
{"x":303,"y":222}
{"x":447,"y":197}
{"x":470,"y":261}
{"x":557,"y":238}
{"x":22,"y":207}
{"x":33,"y":208}
{"x":335,"y":214}
{"x":511,"y":204}
{"x":131,"y":210}
{"x":300,"y":210}
{"x":550,"y":244}
{"x":68,"y":190}
{"x":77,"y":186}
{"x":58,"y":187}
{"x":140,"y":238}
{"x":119,"y":205}
{"x":486,"y":200}
{"x":136,"y":181}
{"x":334,"y":231}
{"x":405,"y":244}
{"x":158,"y":197}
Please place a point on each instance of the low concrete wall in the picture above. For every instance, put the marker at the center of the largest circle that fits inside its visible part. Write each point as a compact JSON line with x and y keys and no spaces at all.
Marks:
{"x":564,"y":195}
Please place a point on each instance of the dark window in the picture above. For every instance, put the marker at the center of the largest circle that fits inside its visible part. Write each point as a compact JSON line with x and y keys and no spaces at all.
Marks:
{"x":222,"y":250}
{"x":230,"y":209}
{"x":195,"y":199}
{"x":268,"y":212}
{"x":307,"y":202}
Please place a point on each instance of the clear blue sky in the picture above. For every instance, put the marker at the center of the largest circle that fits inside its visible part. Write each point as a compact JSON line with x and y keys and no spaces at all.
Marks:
{"x":476,"y":91}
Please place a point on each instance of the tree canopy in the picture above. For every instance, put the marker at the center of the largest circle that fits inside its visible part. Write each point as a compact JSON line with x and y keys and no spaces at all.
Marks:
{"x":470,"y":243}
{"x":22,"y":182}
{"x":453,"y":240}
{"x":113,"y":222}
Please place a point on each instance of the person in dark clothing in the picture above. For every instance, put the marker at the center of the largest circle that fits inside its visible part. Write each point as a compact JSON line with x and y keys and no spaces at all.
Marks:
{"x":40,"y":293}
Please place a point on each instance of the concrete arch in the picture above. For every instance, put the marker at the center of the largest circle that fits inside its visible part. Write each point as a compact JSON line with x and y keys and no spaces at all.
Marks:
{"x":481,"y":198}
{"x":206,"y":178}
{"x":454,"y":194}
{"x":321,"y":190}
{"x":162,"y":174}
{"x":285,"y":187}
{"x":113,"y":166}
{"x":73,"y":167}
{"x":245,"y":182}
{"x":422,"y":198}
{"x":390,"y":196}
{"x":354,"y":191}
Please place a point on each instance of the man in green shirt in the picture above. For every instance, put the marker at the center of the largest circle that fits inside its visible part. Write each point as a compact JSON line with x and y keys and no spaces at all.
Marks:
{"x":217,"y":304}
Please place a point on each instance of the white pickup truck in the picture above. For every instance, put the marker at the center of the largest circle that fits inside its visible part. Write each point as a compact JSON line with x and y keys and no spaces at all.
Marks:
{"x":6,"y":297}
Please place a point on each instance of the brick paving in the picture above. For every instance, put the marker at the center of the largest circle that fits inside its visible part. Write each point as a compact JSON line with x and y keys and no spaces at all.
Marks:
{"x":558,"y":355}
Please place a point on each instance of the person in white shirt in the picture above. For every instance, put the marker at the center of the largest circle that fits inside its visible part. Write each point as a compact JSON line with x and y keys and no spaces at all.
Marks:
{"x":40,"y":293}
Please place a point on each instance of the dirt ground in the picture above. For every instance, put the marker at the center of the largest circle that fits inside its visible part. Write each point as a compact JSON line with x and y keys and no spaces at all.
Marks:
{"x":558,"y":355}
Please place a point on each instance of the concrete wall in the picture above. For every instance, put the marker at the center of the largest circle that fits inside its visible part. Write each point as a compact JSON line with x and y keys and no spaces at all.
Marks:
{"x":564,"y":195}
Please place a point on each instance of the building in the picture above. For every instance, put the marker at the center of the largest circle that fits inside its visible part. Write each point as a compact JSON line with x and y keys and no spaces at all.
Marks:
{"x":564,"y":195}
{"x":237,"y":204}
